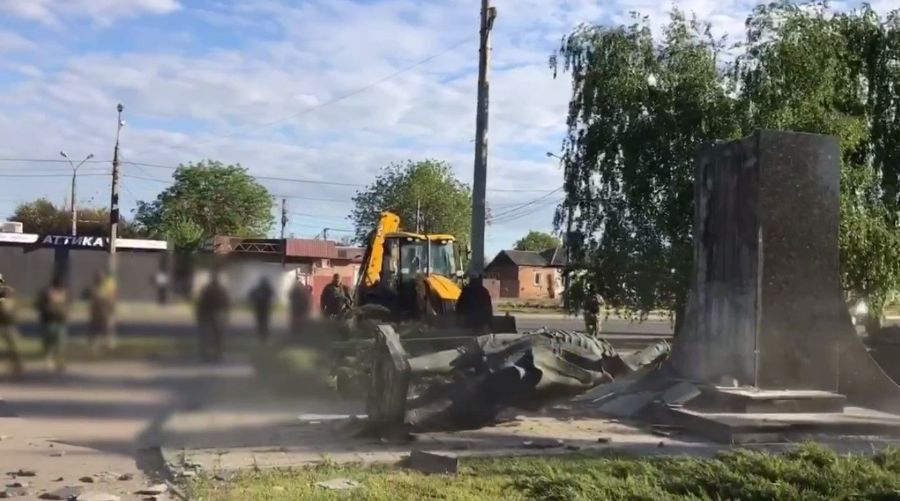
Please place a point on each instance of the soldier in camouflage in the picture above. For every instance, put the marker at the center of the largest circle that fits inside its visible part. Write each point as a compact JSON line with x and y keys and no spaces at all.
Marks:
{"x":8,"y":332}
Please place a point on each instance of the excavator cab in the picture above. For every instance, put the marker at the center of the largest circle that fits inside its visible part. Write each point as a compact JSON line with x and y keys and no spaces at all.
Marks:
{"x":419,"y":271}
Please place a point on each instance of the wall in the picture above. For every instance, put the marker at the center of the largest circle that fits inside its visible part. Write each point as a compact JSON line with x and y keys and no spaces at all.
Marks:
{"x":529,"y":290}
{"x":29,"y":272}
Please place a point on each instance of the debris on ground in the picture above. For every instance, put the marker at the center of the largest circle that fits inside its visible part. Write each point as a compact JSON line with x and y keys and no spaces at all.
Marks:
{"x":125,"y":477}
{"x":86,"y":479}
{"x":542,"y":444}
{"x":64,"y":494}
{"x":13,"y":492}
{"x":433,"y":462}
{"x":97,"y":496}
{"x":338,"y":484}
{"x":23,"y":472}
{"x":604,"y":440}
{"x":153,"y":490}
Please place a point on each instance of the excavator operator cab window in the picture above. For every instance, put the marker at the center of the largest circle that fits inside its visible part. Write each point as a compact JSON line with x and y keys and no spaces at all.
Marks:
{"x":413,"y":258}
{"x":391,"y":265}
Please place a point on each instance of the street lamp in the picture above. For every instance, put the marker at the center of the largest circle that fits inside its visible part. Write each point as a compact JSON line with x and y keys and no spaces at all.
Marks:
{"x":74,"y":173}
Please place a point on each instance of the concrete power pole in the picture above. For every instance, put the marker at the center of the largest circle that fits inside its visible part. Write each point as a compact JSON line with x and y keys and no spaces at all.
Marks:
{"x":114,"y":200}
{"x":284,"y":221}
{"x":476,"y":265}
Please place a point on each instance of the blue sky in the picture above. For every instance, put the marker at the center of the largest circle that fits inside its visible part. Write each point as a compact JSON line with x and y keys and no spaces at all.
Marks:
{"x":259,"y":82}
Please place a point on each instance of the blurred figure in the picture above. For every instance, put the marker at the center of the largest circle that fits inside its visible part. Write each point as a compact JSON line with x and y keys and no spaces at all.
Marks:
{"x":212,"y":317}
{"x":8,"y":332}
{"x":161,"y":281}
{"x":335,"y":298}
{"x":261,"y":299}
{"x":101,"y":297}
{"x":591,"y":309}
{"x":53,"y":311}
{"x":300,"y":297}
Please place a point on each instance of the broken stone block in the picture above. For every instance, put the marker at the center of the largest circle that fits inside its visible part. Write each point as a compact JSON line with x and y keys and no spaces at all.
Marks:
{"x":97,"y":496}
{"x":13,"y":492}
{"x":65,"y":494}
{"x":680,"y":393}
{"x":338,"y":484}
{"x":86,"y":479}
{"x":19,"y":483}
{"x":433,"y":462}
{"x":153,"y":490}
{"x":23,"y":472}
{"x":125,"y":477}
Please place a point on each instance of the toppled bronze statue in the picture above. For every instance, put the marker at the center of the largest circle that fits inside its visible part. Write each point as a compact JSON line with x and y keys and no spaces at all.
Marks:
{"x":468,"y":386}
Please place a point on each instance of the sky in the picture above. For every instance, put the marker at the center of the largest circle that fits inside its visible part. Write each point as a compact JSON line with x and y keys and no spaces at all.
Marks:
{"x":328,"y":91}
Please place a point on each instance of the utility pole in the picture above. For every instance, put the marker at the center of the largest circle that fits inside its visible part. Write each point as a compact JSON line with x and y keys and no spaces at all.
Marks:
{"x":418,"y":215}
{"x":567,"y":240}
{"x":74,"y":173}
{"x":114,"y":199}
{"x":476,"y":265}
{"x":284,"y":221}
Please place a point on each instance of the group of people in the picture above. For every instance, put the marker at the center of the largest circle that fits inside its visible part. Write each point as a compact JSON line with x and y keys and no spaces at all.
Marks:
{"x":53,"y":304}
{"x":213,"y":306}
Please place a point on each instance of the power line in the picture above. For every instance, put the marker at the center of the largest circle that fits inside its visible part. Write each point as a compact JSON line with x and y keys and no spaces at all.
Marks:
{"x":526,"y":204}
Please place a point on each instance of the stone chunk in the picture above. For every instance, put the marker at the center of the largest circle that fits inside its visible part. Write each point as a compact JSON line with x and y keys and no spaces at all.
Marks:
{"x":433,"y":462}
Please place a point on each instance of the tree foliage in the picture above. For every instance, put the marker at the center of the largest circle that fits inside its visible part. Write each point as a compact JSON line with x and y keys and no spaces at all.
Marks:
{"x":208,"y":199}
{"x":42,"y":216}
{"x":641,"y":108}
{"x":444,"y":203}
{"x":536,"y":241}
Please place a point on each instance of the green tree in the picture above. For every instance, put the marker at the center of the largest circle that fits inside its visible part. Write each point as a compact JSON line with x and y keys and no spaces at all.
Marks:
{"x":810,"y":69}
{"x":536,"y":241}
{"x":208,"y":199}
{"x":429,"y":187}
{"x":42,"y":216}
{"x":638,"y":111}
{"x":642,"y":107}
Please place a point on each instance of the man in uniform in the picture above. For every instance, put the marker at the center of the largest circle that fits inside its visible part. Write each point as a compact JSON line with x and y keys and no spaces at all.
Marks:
{"x":53,"y":309}
{"x":335,"y":297}
{"x":591,"y":307}
{"x":8,"y":332}
{"x":299,"y":297}
{"x":212,"y":317}
{"x":261,"y":299}
{"x":101,"y":298}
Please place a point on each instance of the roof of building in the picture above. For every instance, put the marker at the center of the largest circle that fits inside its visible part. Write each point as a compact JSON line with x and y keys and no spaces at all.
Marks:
{"x":555,"y":257}
{"x":311,"y":248}
{"x":353,"y":254}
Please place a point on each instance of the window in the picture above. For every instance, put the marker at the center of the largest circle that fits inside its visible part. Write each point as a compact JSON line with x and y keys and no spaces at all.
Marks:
{"x":537,"y":278}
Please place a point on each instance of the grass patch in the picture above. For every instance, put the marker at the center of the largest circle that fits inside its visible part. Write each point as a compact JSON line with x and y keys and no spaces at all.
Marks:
{"x":809,"y":472}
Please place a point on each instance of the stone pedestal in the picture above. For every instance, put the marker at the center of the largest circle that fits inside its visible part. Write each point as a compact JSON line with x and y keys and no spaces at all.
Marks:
{"x":766,"y":307}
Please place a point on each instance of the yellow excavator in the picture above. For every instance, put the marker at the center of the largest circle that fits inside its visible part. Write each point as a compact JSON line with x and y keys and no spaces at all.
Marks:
{"x":410,"y":275}
{"x":418,"y":276}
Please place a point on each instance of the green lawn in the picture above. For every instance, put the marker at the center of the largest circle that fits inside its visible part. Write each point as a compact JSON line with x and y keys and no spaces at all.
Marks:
{"x":809,"y":472}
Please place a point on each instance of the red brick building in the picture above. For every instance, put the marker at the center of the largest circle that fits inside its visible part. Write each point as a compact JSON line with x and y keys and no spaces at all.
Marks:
{"x":527,"y":274}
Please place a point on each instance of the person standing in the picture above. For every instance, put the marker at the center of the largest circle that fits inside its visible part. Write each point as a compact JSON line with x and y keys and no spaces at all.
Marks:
{"x":212,"y":318}
{"x":591,"y":310}
{"x":101,"y":298}
{"x":8,"y":332}
{"x":335,"y":298}
{"x":161,"y":280}
{"x":261,"y":299}
{"x":299,"y":297}
{"x":53,"y":310}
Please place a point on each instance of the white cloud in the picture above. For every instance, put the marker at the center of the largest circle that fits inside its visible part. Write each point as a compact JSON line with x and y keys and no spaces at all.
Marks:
{"x":185,"y":105}
{"x":102,"y":12}
{"x":13,"y":42}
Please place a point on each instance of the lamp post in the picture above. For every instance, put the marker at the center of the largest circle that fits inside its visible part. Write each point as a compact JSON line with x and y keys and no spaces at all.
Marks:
{"x":74,"y":174}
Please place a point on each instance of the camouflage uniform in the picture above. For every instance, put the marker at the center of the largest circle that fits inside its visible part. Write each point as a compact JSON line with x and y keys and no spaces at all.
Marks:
{"x":8,"y":332}
{"x":212,"y":317}
{"x":53,"y":308}
{"x":102,"y":307}
{"x":299,"y":297}
{"x":335,"y":298}
{"x":592,"y":304}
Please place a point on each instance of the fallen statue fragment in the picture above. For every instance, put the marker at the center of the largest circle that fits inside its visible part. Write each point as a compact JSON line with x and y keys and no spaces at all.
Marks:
{"x":468,"y":386}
